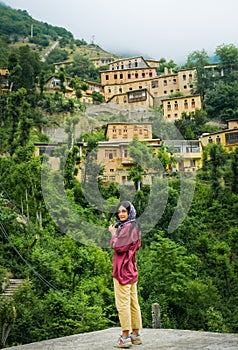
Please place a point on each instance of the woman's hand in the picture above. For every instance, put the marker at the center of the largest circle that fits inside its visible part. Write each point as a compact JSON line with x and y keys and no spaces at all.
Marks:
{"x":112,"y":229}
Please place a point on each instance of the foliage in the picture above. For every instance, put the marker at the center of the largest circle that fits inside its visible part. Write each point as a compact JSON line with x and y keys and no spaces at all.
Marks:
{"x":97,"y":97}
{"x":18,"y":23}
{"x":221,"y":101}
{"x":193,"y":124}
{"x":82,"y":67}
{"x":68,"y":287}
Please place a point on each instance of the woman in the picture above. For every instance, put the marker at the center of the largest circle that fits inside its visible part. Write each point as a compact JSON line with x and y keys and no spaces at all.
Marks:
{"x":126,"y":240}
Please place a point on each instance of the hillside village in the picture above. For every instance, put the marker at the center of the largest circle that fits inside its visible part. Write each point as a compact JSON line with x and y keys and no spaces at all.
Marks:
{"x":129,"y":85}
{"x":132,"y":84}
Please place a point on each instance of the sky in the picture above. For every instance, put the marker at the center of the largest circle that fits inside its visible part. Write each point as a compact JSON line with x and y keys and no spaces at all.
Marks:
{"x":152,"y":28}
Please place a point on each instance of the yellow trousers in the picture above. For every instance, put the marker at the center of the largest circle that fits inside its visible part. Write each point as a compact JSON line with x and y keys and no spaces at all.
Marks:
{"x":127,"y":305}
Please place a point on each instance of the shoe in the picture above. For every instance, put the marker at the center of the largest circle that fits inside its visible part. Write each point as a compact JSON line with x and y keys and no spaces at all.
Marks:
{"x":136,"y":339}
{"x":123,"y":342}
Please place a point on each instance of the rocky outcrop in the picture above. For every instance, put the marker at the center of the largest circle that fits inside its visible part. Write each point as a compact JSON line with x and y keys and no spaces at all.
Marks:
{"x":153,"y":339}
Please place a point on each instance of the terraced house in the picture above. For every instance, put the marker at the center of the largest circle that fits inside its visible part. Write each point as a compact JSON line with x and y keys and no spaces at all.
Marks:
{"x":113,"y":154}
{"x":133,"y":83}
{"x":126,"y":83}
{"x":228,"y":138}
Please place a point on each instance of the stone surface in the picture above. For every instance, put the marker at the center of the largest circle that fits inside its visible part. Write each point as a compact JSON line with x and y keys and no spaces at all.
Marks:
{"x":153,"y":339}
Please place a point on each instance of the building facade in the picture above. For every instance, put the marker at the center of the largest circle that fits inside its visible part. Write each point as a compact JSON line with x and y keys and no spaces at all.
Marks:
{"x":174,"y":107}
{"x":113,"y":155}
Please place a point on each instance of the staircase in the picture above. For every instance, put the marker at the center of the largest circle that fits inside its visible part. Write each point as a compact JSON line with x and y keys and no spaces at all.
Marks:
{"x":12,"y":285}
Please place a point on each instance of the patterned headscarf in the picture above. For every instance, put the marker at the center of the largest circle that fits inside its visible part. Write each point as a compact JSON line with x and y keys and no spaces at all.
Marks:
{"x":131,"y":213}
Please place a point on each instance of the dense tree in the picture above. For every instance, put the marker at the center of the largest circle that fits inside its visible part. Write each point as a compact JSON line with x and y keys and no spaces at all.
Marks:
{"x":199,"y":60}
{"x":221,"y":102}
{"x":228,"y":62}
{"x":83,"y":68}
{"x":193,"y":124}
{"x":24,"y":67}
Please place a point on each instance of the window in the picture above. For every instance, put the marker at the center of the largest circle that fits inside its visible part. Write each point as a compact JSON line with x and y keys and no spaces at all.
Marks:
{"x":185,"y":104}
{"x":143,"y":74}
{"x":136,"y":64}
{"x":210,"y":140}
{"x":123,"y":178}
{"x":165,"y":92}
{"x":121,"y":76}
{"x":107,"y":77}
{"x":193,"y":103}
{"x":110,"y":154}
{"x":112,"y":178}
{"x":150,"y":74}
{"x":232,"y":138}
{"x":168,"y":107}
{"x":120,"y":89}
{"x":42,"y":150}
{"x":129,"y":76}
{"x":176,"y":105}
{"x":174,"y":81}
{"x":111,"y":170}
{"x":185,"y":87}
{"x":184,"y":77}
{"x":154,"y":84}
{"x":136,"y":75}
{"x":218,"y":139}
{"x":124,"y":153}
{"x":165,"y":82}
{"x":115,"y":76}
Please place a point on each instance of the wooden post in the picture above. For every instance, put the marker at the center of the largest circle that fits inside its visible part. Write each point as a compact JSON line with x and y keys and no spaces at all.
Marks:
{"x":155,"y":315}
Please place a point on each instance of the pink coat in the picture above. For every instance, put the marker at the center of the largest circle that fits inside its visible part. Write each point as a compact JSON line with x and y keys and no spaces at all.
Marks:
{"x":125,"y":244}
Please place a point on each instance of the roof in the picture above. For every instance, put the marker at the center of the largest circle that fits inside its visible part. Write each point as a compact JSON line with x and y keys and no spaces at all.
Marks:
{"x":128,"y":59}
{"x":178,"y":97}
{"x":219,"y":132}
{"x":129,"y":123}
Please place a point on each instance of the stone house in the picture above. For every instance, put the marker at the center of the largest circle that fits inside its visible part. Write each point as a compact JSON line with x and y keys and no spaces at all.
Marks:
{"x":175,"y":106}
{"x":228,"y":138}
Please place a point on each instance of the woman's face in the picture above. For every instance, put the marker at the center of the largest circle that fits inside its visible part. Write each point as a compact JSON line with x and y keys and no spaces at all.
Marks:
{"x":122,"y":213}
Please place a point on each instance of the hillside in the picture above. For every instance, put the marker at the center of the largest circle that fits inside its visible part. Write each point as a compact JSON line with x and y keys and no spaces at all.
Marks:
{"x":18,"y":28}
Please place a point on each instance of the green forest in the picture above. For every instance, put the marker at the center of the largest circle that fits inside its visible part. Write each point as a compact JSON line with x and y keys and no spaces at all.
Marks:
{"x":53,"y":231}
